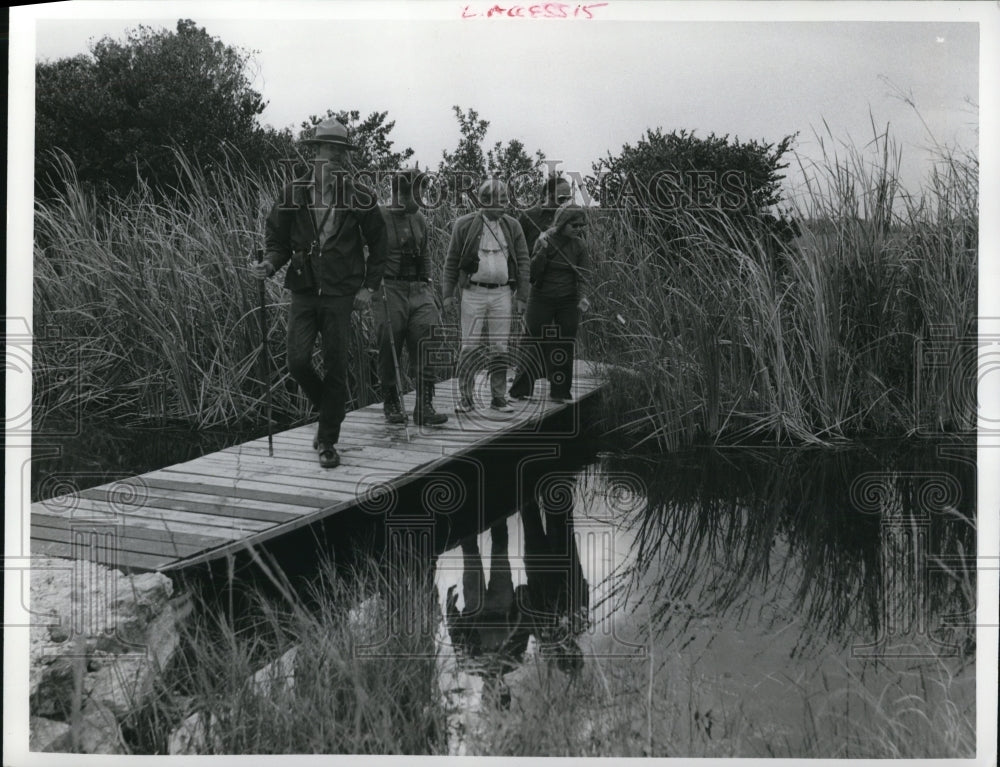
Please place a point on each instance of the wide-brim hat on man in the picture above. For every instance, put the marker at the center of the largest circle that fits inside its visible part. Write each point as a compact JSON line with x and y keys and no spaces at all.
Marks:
{"x":331,"y":132}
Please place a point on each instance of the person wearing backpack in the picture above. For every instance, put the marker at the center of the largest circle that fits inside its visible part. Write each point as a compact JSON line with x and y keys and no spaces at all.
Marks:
{"x":557,"y":273}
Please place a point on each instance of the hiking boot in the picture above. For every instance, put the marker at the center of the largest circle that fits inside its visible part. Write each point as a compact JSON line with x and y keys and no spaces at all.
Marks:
{"x":328,"y":456}
{"x":501,"y":405}
{"x":392,"y":408}
{"x":424,"y":413}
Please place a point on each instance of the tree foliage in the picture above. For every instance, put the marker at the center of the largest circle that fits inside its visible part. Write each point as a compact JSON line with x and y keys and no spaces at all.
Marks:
{"x":508,"y":162}
{"x":668,"y":176}
{"x":120,"y":112}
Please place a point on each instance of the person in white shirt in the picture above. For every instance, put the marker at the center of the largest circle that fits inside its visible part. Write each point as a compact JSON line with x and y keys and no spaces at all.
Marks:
{"x":488,"y":261}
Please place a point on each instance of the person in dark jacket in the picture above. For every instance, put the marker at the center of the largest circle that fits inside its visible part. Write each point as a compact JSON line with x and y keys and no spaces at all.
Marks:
{"x":488,"y":260}
{"x":405,"y":308}
{"x":556,"y":191}
{"x":320,"y":227}
{"x":558,"y":273}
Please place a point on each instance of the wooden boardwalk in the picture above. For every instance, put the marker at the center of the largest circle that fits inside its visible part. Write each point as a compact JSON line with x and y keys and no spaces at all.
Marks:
{"x":227,"y":501}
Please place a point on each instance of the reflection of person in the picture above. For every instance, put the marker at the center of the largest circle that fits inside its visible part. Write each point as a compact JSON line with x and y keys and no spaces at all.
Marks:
{"x":486,"y":633}
{"x":323,"y":240}
{"x":407,"y":306}
{"x":488,"y":259}
{"x":555,"y":601}
{"x":559,"y":266}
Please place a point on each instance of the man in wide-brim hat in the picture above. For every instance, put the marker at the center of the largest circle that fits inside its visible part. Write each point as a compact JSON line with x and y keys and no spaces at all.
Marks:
{"x":319,"y":227}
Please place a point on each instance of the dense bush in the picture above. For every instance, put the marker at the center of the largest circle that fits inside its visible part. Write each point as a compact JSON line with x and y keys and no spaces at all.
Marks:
{"x":121,"y":111}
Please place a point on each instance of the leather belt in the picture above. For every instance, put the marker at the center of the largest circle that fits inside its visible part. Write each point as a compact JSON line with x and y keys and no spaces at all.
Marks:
{"x":393,"y":278}
{"x":490,"y":285}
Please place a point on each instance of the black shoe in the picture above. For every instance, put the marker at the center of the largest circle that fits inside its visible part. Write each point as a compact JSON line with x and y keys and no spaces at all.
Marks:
{"x":501,"y":405}
{"x":518,"y":397}
{"x":328,"y":456}
{"x":560,"y":397}
{"x":392,"y":409}
{"x":465,"y":405}
{"x":428,"y":416}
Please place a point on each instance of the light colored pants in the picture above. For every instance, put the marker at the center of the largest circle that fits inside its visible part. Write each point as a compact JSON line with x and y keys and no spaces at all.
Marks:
{"x":486,"y":316}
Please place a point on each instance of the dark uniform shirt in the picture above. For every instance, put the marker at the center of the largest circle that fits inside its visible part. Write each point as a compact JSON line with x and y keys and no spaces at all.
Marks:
{"x":406,"y":235}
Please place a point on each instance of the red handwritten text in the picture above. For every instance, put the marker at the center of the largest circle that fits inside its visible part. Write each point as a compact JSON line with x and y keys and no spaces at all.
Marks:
{"x":539,"y":11}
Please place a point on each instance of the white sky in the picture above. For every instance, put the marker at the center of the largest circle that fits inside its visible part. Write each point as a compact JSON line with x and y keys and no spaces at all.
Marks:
{"x":576,"y":88}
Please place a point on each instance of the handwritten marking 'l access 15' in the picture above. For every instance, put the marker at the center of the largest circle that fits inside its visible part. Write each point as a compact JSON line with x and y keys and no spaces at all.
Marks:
{"x":539,"y":11}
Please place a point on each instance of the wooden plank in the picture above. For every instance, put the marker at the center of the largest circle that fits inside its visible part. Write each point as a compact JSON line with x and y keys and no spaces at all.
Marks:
{"x":329,"y":490}
{"x":348,"y":444}
{"x":128,"y":560}
{"x":122,"y":541}
{"x":174,"y":500}
{"x":270,"y":471}
{"x":162,"y":519}
{"x":138,"y":531}
{"x":364,"y":457}
{"x":249,"y":491}
{"x":288,"y":467}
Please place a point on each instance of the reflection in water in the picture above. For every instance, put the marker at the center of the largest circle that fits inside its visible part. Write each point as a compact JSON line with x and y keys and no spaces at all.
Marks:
{"x":750,"y":603}
{"x":856,"y":544}
{"x":488,"y":637}
{"x":491,"y":632}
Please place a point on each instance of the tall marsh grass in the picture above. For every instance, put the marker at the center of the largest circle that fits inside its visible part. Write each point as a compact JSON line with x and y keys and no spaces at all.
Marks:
{"x":357,"y":676}
{"x":860,"y":326}
{"x":728,"y":336}
{"x":155,"y":296}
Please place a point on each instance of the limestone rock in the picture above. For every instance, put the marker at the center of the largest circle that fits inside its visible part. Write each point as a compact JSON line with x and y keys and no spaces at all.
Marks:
{"x":277,"y":676}
{"x":123,"y":682}
{"x":99,"y":731}
{"x":47,"y":734}
{"x":100,"y":632}
{"x":192,"y":736}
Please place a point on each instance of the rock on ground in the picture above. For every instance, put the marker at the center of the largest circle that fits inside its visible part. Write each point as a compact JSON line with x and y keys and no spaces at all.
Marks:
{"x":96,"y":640}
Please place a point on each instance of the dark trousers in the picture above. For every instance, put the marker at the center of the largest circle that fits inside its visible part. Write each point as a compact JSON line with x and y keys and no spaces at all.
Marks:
{"x":555,"y":582}
{"x":330,"y":317}
{"x":407,"y":309}
{"x":548,"y":349}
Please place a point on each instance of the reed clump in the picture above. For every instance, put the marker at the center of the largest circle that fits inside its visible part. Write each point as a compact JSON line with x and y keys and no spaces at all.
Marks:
{"x":864,"y":324}
{"x":153,"y":294}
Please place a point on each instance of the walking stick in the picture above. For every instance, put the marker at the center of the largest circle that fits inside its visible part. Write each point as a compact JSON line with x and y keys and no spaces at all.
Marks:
{"x":265,"y":367}
{"x":395,"y":361}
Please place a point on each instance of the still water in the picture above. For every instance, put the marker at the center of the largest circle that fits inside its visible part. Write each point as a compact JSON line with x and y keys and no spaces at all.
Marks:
{"x":742,"y":603}
{"x":710,"y":603}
